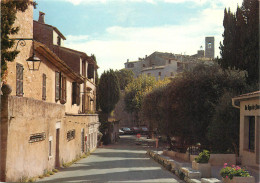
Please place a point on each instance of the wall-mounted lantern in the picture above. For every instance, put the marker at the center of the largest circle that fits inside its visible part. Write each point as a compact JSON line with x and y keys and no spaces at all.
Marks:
{"x":33,"y":62}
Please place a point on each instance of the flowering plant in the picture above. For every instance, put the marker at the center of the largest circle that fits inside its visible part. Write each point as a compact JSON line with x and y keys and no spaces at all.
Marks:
{"x":231,"y":171}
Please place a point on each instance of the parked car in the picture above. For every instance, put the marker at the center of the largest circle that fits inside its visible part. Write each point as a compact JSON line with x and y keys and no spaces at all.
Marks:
{"x":121,"y":132}
{"x":135,"y":130}
{"x":144,"y":130}
{"x":127,"y":131}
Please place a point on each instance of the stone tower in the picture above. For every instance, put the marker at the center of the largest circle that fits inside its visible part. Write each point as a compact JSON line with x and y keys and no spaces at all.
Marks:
{"x":209,"y":47}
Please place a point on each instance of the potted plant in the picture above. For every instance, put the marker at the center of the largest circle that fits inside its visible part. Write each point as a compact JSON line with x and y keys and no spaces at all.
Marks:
{"x":235,"y":174}
{"x":202,"y":164}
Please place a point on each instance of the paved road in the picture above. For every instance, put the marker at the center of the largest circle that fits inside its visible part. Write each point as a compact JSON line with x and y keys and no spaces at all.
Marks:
{"x":121,"y":162}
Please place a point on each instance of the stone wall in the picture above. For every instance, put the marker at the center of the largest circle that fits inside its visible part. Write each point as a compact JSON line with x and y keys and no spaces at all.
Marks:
{"x":23,"y":117}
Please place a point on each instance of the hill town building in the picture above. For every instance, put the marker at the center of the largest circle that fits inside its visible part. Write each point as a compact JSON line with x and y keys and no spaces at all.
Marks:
{"x":48,"y":115}
{"x":161,"y":65}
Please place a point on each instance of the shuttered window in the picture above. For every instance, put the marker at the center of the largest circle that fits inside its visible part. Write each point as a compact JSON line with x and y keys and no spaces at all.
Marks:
{"x":44,"y":87}
{"x":90,"y":71}
{"x":19,"y":80}
{"x":75,"y":93}
{"x":63,"y":89}
{"x":57,"y":86}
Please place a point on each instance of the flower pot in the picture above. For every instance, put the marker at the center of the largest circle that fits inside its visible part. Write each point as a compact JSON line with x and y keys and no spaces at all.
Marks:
{"x":204,"y":168}
{"x":239,"y":180}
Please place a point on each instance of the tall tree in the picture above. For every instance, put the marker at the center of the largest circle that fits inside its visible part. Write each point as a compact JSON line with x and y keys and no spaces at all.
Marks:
{"x":108,"y":91}
{"x":125,"y":77}
{"x":9,"y":9}
{"x":240,"y":47}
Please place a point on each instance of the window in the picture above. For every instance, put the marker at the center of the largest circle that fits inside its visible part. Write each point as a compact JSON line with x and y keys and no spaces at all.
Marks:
{"x":172,"y":74}
{"x":209,"y":44}
{"x":143,"y":65}
{"x":44,"y":87}
{"x":130,"y":65}
{"x":70,"y":135}
{"x":19,"y":79}
{"x":58,"y":40}
{"x":50,"y":146}
{"x":63,"y":91}
{"x":148,"y":74}
{"x":251,"y":134}
{"x":169,"y":61}
{"x":37,"y":137}
{"x":90,"y":71}
{"x":57,"y":86}
{"x":75,"y":93}
{"x":159,"y":74}
{"x":84,"y":68}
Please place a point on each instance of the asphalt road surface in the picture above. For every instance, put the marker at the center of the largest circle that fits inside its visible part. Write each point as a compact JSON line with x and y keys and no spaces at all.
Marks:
{"x":121,"y":162}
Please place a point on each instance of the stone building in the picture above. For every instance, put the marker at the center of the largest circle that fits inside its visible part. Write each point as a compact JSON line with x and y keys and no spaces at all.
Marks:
{"x":161,"y":65}
{"x":249,"y":149}
{"x":47,"y":115}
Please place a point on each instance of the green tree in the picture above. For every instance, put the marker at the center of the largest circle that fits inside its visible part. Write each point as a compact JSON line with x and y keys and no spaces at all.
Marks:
{"x":125,"y":77}
{"x":240,"y":47}
{"x":108,"y":91}
{"x":8,"y":16}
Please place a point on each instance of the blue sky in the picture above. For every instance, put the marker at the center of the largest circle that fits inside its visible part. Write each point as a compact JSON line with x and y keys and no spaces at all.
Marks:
{"x":117,"y":30}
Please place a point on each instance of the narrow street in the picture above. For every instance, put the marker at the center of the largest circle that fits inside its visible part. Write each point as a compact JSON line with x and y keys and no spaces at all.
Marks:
{"x":121,"y":162}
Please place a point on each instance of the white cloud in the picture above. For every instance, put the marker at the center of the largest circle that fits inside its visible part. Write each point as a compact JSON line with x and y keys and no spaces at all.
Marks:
{"x":118,"y":44}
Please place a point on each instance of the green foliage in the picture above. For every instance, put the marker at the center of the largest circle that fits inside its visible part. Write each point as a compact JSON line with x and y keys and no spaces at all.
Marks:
{"x":186,"y":106}
{"x":203,"y":157}
{"x":108,"y":91}
{"x":124,"y":77}
{"x":240,"y":47}
{"x":8,"y":17}
{"x":231,"y":171}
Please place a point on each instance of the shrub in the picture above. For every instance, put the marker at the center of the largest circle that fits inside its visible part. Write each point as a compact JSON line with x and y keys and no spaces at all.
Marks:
{"x":203,"y":157}
{"x":231,"y":171}
{"x":55,"y":170}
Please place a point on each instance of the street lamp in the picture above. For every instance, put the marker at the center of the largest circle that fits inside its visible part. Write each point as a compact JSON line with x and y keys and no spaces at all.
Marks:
{"x":33,"y":62}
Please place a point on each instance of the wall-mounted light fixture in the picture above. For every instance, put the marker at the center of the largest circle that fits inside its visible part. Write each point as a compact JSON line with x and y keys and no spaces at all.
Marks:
{"x":33,"y":62}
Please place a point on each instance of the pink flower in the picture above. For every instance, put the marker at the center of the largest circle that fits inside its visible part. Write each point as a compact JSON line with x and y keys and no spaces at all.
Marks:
{"x":238,"y":167}
{"x":226,"y":176}
{"x":233,"y":166}
{"x":225,"y":164}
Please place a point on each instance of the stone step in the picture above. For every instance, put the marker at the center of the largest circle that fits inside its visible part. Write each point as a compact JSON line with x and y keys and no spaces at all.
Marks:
{"x":210,"y":180}
{"x":194,"y":181}
{"x":190,"y":173}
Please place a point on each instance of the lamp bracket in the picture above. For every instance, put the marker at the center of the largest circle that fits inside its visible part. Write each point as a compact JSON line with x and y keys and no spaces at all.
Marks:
{"x":21,"y":41}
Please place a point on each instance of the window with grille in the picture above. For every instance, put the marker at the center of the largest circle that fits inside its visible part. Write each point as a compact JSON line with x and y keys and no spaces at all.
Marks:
{"x":37,"y":137}
{"x":70,"y":135}
{"x":44,"y":87}
{"x":19,"y":79}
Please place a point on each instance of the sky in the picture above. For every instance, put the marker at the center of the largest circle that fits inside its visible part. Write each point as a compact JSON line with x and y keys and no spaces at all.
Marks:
{"x":117,"y":30}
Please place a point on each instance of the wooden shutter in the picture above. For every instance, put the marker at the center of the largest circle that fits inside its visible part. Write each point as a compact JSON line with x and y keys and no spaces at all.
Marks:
{"x":63,"y":92}
{"x":78,"y":94}
{"x":57,"y":86}
{"x":90,"y":71}
{"x":74,"y":93}
{"x":19,"y":80}
{"x":44,"y":87}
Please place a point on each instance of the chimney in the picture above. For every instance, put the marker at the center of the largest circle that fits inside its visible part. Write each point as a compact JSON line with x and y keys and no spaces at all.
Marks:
{"x":41,"y":17}
{"x":127,"y":60}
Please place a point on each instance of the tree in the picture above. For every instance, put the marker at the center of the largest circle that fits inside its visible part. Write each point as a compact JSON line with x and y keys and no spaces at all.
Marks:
{"x":8,"y":16}
{"x":125,"y":77}
{"x":137,"y":89}
{"x":240,"y":47}
{"x":108,"y":91}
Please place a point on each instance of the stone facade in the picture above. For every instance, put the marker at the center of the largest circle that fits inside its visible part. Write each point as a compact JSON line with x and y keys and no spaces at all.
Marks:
{"x":161,"y":65}
{"x":249,"y":150}
{"x":40,"y":133}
